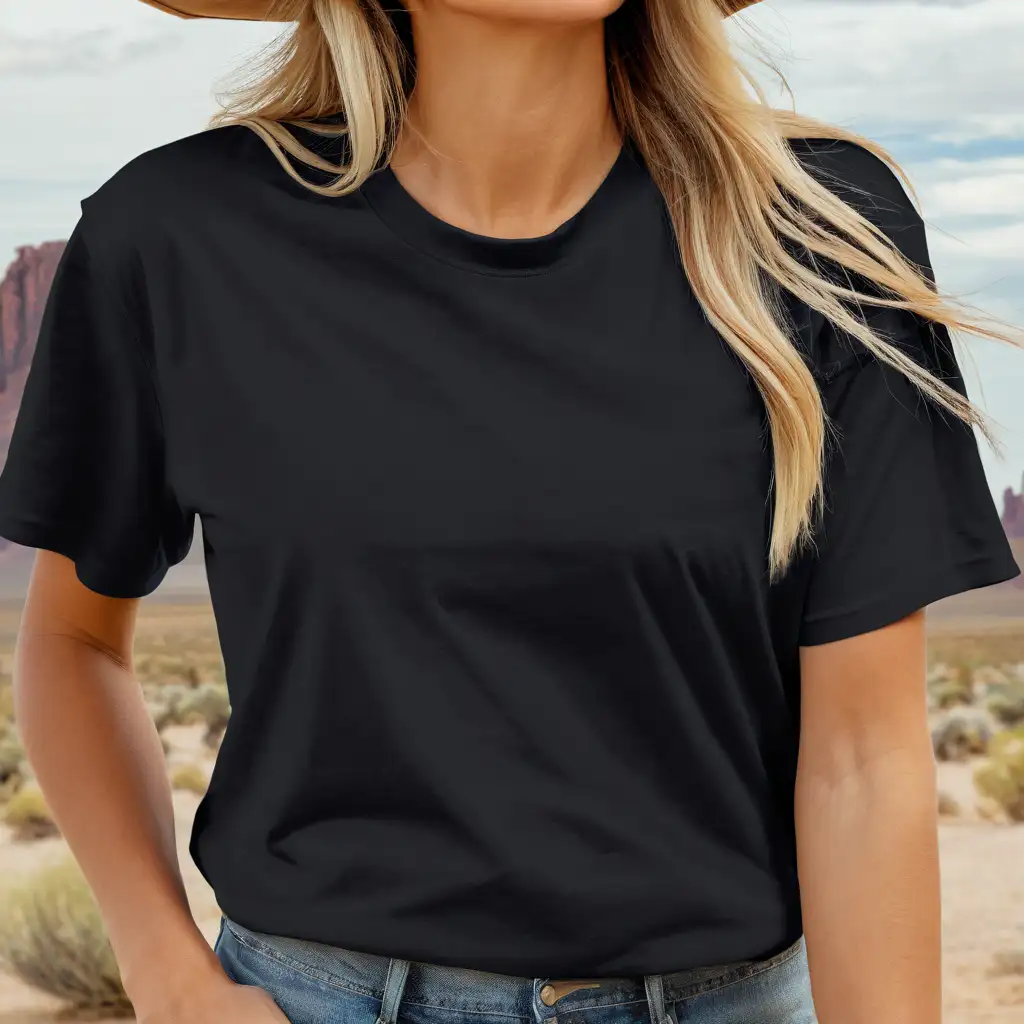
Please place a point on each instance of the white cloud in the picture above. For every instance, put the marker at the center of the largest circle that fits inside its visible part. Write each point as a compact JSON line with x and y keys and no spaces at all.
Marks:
{"x":124,"y":105}
{"x":1004,"y":242}
{"x":93,"y":51}
{"x":947,"y":69}
{"x":973,"y":126}
{"x":979,"y":195}
{"x":972,"y":188}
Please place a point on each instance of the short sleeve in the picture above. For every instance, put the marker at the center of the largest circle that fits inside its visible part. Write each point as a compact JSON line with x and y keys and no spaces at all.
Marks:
{"x":85,"y":474}
{"x":909,"y":517}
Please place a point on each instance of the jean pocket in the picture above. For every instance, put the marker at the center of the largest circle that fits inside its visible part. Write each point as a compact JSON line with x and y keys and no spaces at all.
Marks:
{"x":302,"y":993}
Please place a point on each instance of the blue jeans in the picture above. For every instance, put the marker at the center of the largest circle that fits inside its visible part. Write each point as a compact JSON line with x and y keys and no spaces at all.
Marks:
{"x":317,"y":984}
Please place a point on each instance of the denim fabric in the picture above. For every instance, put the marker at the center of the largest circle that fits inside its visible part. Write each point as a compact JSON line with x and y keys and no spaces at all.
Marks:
{"x":318,"y":984}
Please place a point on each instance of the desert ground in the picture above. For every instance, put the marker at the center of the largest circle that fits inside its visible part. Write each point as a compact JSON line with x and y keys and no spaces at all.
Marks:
{"x":982,"y":856}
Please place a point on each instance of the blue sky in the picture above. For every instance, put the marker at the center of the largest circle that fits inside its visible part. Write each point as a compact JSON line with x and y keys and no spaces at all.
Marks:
{"x":84,"y":87}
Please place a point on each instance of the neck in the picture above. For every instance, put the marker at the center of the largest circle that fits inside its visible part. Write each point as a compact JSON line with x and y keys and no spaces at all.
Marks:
{"x":510,"y":127}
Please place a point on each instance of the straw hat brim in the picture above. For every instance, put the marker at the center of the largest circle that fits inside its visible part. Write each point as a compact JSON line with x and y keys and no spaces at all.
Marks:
{"x":262,"y":10}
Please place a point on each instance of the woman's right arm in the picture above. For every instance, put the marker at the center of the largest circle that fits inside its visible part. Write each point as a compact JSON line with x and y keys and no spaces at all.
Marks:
{"x":100,"y":764}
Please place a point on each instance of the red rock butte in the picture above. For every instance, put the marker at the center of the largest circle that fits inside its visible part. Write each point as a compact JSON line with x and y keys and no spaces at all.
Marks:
{"x":1013,"y":512}
{"x":23,"y":292}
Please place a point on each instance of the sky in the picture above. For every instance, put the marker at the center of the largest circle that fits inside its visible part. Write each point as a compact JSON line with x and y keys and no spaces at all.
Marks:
{"x":86,"y":86}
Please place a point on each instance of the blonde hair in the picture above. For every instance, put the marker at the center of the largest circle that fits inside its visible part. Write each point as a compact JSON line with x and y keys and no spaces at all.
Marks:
{"x":745,"y":208}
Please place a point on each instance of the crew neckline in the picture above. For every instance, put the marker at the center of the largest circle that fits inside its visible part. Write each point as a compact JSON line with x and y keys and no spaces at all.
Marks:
{"x":425,"y":231}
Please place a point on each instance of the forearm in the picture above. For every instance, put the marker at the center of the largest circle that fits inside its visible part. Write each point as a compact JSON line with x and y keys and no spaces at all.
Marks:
{"x":869,"y":882}
{"x":100,"y":764}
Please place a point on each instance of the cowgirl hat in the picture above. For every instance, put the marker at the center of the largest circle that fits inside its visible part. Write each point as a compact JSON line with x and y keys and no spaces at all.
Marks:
{"x":261,"y":10}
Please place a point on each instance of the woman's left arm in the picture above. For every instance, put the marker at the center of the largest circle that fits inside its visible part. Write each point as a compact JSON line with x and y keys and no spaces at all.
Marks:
{"x":867,"y":829}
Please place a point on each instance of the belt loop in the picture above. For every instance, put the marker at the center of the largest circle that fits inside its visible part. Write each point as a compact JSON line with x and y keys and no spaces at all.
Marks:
{"x":656,"y":999}
{"x":394,"y":987}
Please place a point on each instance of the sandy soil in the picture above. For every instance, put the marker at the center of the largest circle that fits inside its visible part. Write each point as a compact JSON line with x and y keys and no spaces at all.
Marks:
{"x":983,"y":887}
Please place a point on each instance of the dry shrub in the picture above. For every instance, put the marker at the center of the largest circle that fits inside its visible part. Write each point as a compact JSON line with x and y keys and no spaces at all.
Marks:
{"x":189,"y":655}
{"x":1002,"y":778}
{"x":1008,"y":962}
{"x":53,"y":938}
{"x":949,"y":807}
{"x":12,"y":764}
{"x":167,"y":669}
{"x":28,"y":816}
{"x":190,"y":777}
{"x":167,"y":704}
{"x":9,"y":788}
{"x":1006,"y":704}
{"x":6,"y":699}
{"x":955,"y":687}
{"x":209,"y":704}
{"x":962,"y":733}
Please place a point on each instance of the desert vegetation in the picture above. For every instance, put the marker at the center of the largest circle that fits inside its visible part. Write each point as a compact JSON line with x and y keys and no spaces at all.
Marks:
{"x":53,"y":947}
{"x":1001,"y":779}
{"x":28,"y":817}
{"x":189,"y":777}
{"x":13,"y":768}
{"x":53,"y":939}
{"x":977,"y":718}
{"x":181,"y":673}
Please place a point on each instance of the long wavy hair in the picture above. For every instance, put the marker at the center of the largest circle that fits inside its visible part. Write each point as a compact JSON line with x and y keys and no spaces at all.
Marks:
{"x":758,"y":224}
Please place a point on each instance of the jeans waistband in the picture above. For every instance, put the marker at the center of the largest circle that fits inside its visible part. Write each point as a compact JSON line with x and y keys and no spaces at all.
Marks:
{"x":395,"y":981}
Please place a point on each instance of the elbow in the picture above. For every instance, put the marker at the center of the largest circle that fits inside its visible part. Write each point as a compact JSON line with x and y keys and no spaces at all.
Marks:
{"x":903,"y":773}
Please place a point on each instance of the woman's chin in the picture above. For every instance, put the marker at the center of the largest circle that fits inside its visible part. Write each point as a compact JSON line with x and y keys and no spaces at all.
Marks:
{"x":555,"y":11}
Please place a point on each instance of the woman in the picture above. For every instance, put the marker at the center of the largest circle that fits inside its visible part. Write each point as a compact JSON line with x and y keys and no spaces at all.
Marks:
{"x":577,"y":441}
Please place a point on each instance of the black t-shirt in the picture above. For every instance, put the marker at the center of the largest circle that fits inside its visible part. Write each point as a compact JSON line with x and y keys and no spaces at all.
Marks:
{"x":486,"y":527}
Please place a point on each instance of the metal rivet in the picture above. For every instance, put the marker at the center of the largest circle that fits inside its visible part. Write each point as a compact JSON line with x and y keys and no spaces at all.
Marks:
{"x":548,"y":996}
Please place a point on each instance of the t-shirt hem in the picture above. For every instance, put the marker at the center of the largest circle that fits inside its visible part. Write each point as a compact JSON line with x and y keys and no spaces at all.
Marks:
{"x":47,"y":538}
{"x":955,"y":579}
{"x":691,"y":950}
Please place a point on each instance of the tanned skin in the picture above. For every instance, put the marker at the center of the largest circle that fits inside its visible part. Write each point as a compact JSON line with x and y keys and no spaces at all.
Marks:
{"x":867,"y":830}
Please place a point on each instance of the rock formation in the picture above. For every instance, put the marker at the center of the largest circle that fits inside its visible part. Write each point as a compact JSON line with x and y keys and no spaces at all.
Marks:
{"x":23,"y":294}
{"x":1013,"y":512}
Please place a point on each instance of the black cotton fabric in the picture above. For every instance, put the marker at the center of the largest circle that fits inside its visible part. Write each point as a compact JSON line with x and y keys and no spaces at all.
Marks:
{"x":486,"y":526}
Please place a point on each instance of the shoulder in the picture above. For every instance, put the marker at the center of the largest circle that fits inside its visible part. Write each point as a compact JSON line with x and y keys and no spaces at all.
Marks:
{"x":176,"y":180}
{"x":222,"y":176}
{"x":170,"y":190}
{"x":197,"y":190}
{"x":866,"y":182}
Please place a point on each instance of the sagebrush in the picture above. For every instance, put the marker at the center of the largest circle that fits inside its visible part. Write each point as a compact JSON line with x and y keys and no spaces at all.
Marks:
{"x":28,"y":816}
{"x":189,"y":777}
{"x":53,"y":938}
{"x":1001,"y":779}
{"x":12,"y":763}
